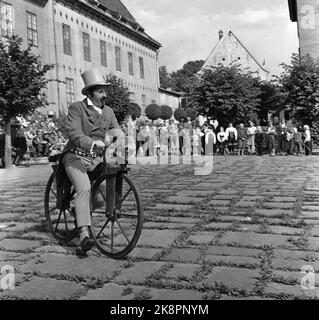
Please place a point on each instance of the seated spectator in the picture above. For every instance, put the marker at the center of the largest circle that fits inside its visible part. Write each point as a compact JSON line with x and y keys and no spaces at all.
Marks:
{"x":19,"y":147}
{"x":38,"y":144}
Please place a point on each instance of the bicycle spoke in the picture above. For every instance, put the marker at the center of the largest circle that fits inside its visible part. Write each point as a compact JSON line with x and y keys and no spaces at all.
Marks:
{"x":105,"y":224}
{"x":53,"y":192}
{"x":112,"y":235}
{"x":126,"y":195}
{"x":56,"y":227}
{"x":53,"y":209}
{"x":102,"y":194}
{"x":121,"y":228}
{"x":65,"y":221}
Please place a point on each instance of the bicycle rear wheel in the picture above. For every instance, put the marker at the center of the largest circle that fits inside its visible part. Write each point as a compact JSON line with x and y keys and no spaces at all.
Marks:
{"x":61,"y":221}
{"x":118,"y":219}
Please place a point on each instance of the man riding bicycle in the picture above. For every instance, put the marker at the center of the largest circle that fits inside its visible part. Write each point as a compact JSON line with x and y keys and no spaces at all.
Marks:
{"x":87,"y":124}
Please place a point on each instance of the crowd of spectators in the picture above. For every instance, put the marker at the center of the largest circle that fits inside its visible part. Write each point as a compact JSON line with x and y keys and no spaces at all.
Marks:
{"x":39,"y":136}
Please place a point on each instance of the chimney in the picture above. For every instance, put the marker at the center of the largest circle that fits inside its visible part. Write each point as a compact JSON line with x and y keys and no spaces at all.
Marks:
{"x":220,"y":34}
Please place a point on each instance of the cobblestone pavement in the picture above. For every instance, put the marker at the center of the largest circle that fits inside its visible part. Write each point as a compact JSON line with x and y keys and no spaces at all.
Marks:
{"x":246,"y":231}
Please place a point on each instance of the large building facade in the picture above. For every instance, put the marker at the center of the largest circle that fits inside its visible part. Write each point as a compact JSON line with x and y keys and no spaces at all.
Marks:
{"x":77,"y":35}
{"x":306,"y":14}
{"x":230,"y":51}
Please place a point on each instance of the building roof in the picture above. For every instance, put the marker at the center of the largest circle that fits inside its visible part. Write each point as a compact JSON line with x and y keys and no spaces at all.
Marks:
{"x":293,"y":10}
{"x":118,"y":7}
{"x":172,"y":93}
{"x":245,"y":48}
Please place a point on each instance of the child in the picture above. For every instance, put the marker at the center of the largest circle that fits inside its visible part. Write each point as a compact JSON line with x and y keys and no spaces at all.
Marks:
{"x":271,"y":139}
{"x":222,"y":139}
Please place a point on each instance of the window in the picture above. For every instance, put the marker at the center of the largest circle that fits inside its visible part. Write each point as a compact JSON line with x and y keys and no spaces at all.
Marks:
{"x":118,"y":58}
{"x":6,"y":19}
{"x":69,"y":90}
{"x":32,"y":33}
{"x":130,"y":63}
{"x":132,"y":96}
{"x":66,"y":31}
{"x":143,"y":100}
{"x":141,"y":67}
{"x":86,"y":47}
{"x":103,"y":53}
{"x":153,"y":101}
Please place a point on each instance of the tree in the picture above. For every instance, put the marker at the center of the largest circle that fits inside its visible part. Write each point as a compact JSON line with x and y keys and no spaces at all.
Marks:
{"x":190,"y":112}
{"x":185,"y":79}
{"x":300,"y":83}
{"x":165,"y":81}
{"x":153,"y":111}
{"x":228,"y":94}
{"x":118,"y":97}
{"x":22,"y":80}
{"x":134,"y":110}
{"x":179,"y":113}
{"x":166,"y":112}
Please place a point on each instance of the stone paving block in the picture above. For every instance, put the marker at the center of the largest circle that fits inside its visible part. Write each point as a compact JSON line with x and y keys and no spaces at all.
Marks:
{"x":292,"y":264}
{"x":171,"y":295}
{"x":218,"y":225}
{"x":273,"y":212}
{"x":183,"y":270}
{"x":292,"y":254}
{"x":295,"y":291}
{"x":224,"y":197}
{"x":184,"y":200}
{"x":255,"y":239}
{"x":66,"y":265}
{"x":173,"y":207}
{"x":309,"y":214}
{"x":245,"y":204}
{"x":278,"y":205}
{"x":310,"y":208}
{"x":184,"y":220}
{"x":113,"y":291}
{"x":138,"y":272}
{"x":44,"y":288}
{"x":202,"y":237}
{"x":219,"y":203}
{"x":285,"y":230}
{"x":53,"y":249}
{"x":15,"y":226}
{"x":233,"y":260}
{"x":195,"y":193}
{"x":144,"y":253}
{"x":313,"y":243}
{"x":294,"y":277}
{"x":233,"y":251}
{"x":184,"y":254}
{"x":233,"y":278}
{"x":283,"y":199}
{"x":18,"y":244}
{"x":157,"y":238}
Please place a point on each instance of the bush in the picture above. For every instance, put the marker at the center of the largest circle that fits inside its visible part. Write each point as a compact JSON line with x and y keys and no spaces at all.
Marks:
{"x":134,"y":110}
{"x":179,"y":113}
{"x":166,"y":112}
{"x":153,"y":111}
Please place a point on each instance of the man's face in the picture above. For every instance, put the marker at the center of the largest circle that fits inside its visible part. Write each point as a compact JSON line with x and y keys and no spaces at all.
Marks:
{"x":98,"y":95}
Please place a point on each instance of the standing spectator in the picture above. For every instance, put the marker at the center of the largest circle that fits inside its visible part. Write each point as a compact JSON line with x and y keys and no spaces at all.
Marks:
{"x":187,"y":140}
{"x":251,"y":131}
{"x":297,"y":140}
{"x":19,"y":147}
{"x":232,"y":136}
{"x":173,"y":137}
{"x":140,"y":140}
{"x":196,"y":140}
{"x":283,"y":142}
{"x":271,"y":139}
{"x":2,"y":148}
{"x":222,"y":139}
{"x":242,"y":138}
{"x":61,"y":140}
{"x":46,"y":144}
{"x":163,"y":135}
{"x":214,"y":122}
{"x":149,"y":132}
{"x":210,"y":140}
{"x":180,"y":137}
{"x":259,"y":140}
{"x":307,"y":140}
{"x":290,"y":141}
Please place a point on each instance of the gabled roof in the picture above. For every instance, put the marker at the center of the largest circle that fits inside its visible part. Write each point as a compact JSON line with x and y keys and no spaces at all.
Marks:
{"x":244,"y":47}
{"x":118,"y":7}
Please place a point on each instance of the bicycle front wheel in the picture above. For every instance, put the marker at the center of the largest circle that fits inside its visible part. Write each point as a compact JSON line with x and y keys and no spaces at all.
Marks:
{"x":117,"y":217}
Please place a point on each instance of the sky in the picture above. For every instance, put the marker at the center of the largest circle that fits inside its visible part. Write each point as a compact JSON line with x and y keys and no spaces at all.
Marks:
{"x":188,"y":29}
